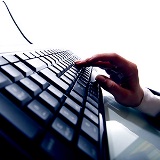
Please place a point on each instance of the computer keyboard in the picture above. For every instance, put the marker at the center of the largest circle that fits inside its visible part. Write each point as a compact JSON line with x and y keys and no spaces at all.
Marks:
{"x":49,"y":108}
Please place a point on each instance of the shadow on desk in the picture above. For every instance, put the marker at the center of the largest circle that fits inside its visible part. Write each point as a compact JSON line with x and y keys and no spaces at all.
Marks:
{"x":145,"y":127}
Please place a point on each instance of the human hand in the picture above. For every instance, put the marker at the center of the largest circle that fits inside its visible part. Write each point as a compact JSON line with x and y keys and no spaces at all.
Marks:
{"x":127,"y":90}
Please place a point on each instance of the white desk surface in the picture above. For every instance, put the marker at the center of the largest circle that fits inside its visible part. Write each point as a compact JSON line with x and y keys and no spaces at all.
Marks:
{"x":131,"y":134}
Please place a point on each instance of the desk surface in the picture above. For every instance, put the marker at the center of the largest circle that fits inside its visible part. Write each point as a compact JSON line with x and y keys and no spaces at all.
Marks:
{"x":131,"y":134}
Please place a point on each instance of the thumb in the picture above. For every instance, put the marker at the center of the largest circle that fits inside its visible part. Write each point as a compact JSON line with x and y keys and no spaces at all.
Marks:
{"x":116,"y":90}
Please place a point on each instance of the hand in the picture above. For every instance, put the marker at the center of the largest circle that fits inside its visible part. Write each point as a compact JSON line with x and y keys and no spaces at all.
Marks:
{"x":127,"y":91}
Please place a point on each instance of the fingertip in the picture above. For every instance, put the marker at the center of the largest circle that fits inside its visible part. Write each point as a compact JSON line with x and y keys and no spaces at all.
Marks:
{"x":77,"y":62}
{"x":100,"y":79}
{"x":104,"y":81}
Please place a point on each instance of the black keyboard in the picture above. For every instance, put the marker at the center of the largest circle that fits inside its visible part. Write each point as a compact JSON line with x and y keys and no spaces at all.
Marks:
{"x":49,"y":108}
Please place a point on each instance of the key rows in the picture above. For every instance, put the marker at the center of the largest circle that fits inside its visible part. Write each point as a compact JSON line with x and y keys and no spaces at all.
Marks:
{"x":60,"y":92}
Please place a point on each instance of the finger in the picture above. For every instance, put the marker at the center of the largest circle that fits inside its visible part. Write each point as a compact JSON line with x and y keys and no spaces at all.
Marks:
{"x":82,"y":62}
{"x":112,"y":58}
{"x":116,"y":90}
{"x":101,"y":64}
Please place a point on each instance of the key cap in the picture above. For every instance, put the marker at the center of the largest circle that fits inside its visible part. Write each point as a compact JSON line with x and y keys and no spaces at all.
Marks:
{"x":36,"y":64}
{"x":54,"y":91}
{"x":50,"y":59}
{"x":58,"y":67}
{"x":40,"y":53}
{"x":61,"y":127}
{"x":19,"y":121}
{"x":48,"y":63}
{"x":19,"y":95}
{"x":69,"y":76}
{"x":65,"y":79}
{"x":95,"y":104}
{"x":90,"y":129}
{"x":40,"y":111}
{"x":39,"y":80}
{"x":21,"y":56}
{"x":35,"y":54}
{"x":87,"y":147}
{"x":3,"y":61}
{"x":12,"y":72}
{"x":92,"y":108}
{"x":30,"y":86}
{"x":54,"y":80}
{"x":55,"y":70}
{"x":76,"y":97}
{"x":51,"y":101}
{"x":74,"y":106}
{"x":23,"y":68}
{"x":65,"y":112}
{"x":94,"y":97}
{"x":56,"y":148}
{"x":11,"y":58}
{"x":79,"y":89}
{"x":4,"y":81}
{"x":90,"y":115}
{"x":29,"y":54}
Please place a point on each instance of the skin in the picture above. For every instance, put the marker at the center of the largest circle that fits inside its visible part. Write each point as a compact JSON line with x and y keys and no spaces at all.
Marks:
{"x":128,"y":92}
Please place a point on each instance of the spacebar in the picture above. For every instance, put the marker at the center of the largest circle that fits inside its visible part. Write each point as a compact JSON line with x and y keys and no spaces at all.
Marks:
{"x":18,"y":119}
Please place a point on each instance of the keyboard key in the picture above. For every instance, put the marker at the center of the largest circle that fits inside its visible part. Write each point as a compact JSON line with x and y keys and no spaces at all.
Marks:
{"x":61,"y":127}
{"x":66,"y":80}
{"x":90,"y":129}
{"x":72,"y":74}
{"x":40,"y":53}
{"x":35,"y":54}
{"x":58,"y":67}
{"x":48,"y":99}
{"x":46,"y":61}
{"x":32,"y":88}
{"x":64,"y":66}
{"x":94,"y":97}
{"x":39,"y":80}
{"x":21,"y":56}
{"x":4,"y":81}
{"x":55,"y":70}
{"x":90,"y":115}
{"x":79,"y":89}
{"x":23,"y":68}
{"x":50,"y":59}
{"x":18,"y":94}
{"x":76,"y":97}
{"x":3,"y":61}
{"x":12,"y":72}
{"x":68,"y":115}
{"x":57,"y":93}
{"x":54,"y":80}
{"x":11,"y":58}
{"x":74,"y":106}
{"x":92,"y":108}
{"x":69,"y":76}
{"x":29,"y":54}
{"x":94,"y":103}
{"x":40,"y":111}
{"x":87,"y":147}
{"x":56,"y":148}
{"x":36,"y":64}
{"x":18,"y":120}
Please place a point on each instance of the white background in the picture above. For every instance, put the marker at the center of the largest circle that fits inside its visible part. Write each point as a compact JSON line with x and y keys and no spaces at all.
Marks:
{"x":130,"y":28}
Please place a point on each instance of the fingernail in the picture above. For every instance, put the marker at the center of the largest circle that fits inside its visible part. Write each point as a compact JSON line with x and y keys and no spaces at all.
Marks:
{"x":100,"y":79}
{"x":77,"y":62}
